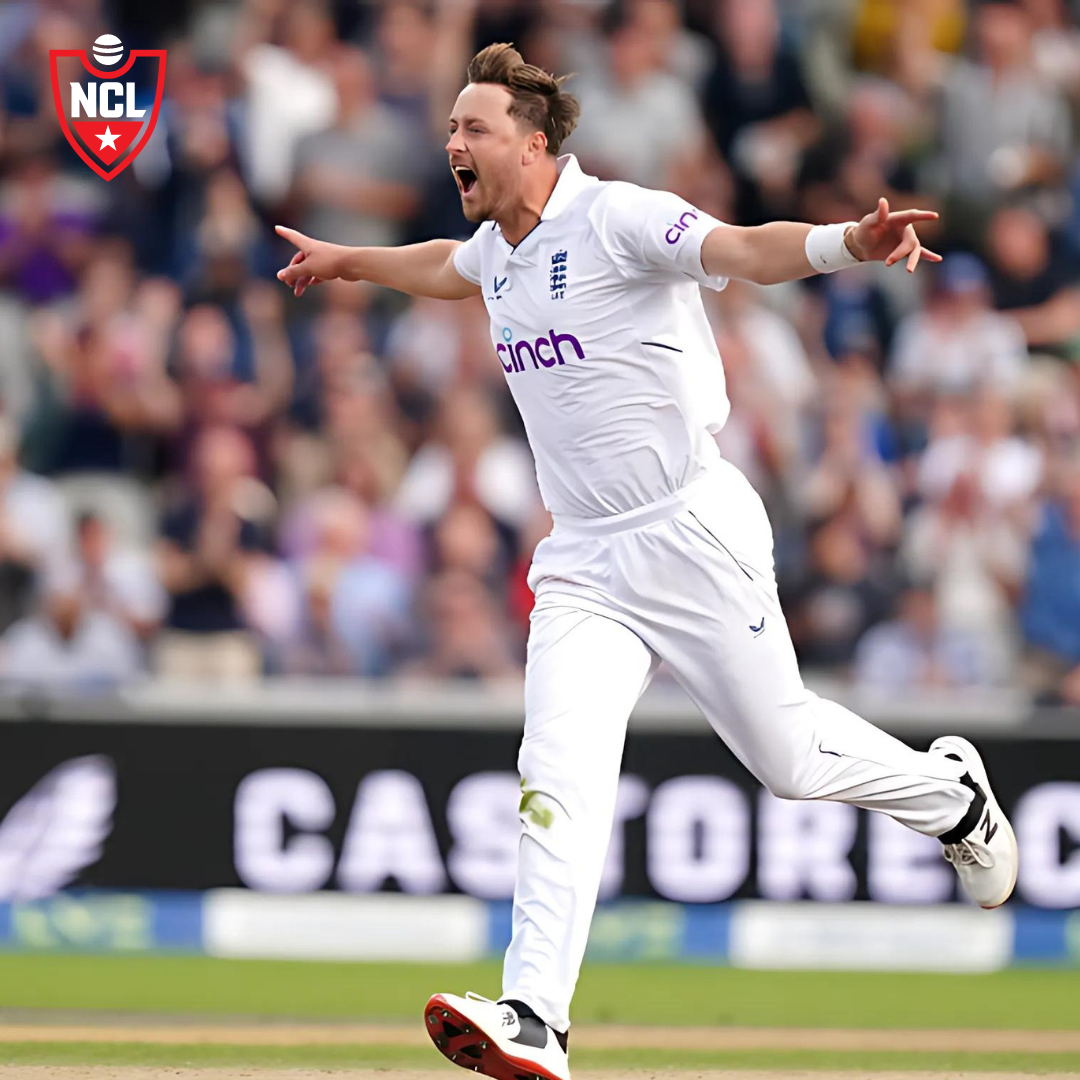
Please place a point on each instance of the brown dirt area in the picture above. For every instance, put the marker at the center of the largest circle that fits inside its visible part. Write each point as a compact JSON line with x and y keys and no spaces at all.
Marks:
{"x":593,"y":1037}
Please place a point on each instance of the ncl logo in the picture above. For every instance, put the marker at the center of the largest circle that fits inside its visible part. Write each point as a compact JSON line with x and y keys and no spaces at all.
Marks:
{"x":679,"y":227}
{"x":99,"y":109}
{"x":544,"y":351}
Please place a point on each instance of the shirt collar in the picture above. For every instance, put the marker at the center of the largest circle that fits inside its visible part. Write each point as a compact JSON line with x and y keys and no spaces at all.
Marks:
{"x":572,"y":181}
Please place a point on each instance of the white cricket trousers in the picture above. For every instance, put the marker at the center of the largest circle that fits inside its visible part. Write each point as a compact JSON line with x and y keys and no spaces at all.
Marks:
{"x":689,"y":581}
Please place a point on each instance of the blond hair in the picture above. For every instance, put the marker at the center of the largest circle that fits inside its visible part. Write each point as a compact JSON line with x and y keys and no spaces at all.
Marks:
{"x":538,"y":98}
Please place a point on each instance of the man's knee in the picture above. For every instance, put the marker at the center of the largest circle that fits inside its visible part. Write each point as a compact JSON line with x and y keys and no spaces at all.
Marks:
{"x":785,"y":788}
{"x":544,"y":818}
{"x":785,"y":780}
{"x":539,"y":809}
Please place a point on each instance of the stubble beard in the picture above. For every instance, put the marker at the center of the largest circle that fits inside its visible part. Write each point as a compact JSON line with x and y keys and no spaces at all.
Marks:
{"x":477,"y":212}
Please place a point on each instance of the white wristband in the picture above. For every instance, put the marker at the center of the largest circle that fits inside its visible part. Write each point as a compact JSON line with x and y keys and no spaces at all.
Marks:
{"x":826,"y":250}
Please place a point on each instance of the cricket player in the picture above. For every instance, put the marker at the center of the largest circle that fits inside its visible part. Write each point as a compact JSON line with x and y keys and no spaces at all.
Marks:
{"x":661,"y":549}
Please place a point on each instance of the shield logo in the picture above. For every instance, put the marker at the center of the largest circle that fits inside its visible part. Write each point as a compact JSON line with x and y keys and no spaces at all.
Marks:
{"x":106,"y":115}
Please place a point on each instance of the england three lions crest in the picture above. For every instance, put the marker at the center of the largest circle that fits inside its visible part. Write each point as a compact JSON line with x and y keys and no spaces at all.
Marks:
{"x":106,"y":115}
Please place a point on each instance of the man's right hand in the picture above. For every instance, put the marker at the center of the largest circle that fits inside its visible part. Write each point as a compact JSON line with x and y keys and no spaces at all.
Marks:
{"x":315,"y":262}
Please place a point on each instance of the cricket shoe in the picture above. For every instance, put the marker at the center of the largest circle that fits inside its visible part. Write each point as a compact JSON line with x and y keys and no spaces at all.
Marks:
{"x":984,"y":853}
{"x":490,"y":1037}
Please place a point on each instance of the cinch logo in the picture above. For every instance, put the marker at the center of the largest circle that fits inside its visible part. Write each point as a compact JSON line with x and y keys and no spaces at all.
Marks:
{"x":99,"y":116}
{"x":679,"y":227}
{"x":543,"y":352}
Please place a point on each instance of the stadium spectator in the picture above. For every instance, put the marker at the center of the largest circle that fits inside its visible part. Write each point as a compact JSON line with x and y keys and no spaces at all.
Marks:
{"x":846,"y":590}
{"x":214,"y":387}
{"x":471,"y":460}
{"x":284,"y":54}
{"x":26,"y":35}
{"x":105,"y":372}
{"x":758,"y":109}
{"x":1036,"y":280}
{"x":1056,"y":43}
{"x":47,"y":226}
{"x":315,"y":646}
{"x":357,"y":180}
{"x":466,"y":637}
{"x":204,"y":555}
{"x":975,"y":560}
{"x":957,"y":343}
{"x":868,"y":155}
{"x":914,"y":650}
{"x":1050,"y":614}
{"x":406,"y":41}
{"x":335,"y":350}
{"x":978,"y":480}
{"x":66,"y":646}
{"x":195,"y":144}
{"x":631,"y":92}
{"x":769,"y":374}
{"x":679,"y":50}
{"x":103,"y":396}
{"x":466,"y":538}
{"x":849,"y":476}
{"x":907,"y":42}
{"x":370,"y":465}
{"x":351,"y":437}
{"x":223,"y":246}
{"x":361,"y":603}
{"x":1004,"y":129}
{"x":35,"y":530}
{"x":119,"y":581}
{"x":436,"y":344}
{"x":1004,"y":468}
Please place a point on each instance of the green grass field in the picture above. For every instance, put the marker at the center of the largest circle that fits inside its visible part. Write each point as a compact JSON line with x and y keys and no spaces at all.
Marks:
{"x":653,"y":994}
{"x":92,"y":990}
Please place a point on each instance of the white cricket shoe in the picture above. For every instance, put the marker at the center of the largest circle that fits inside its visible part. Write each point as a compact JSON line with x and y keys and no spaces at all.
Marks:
{"x":490,"y":1038}
{"x":987,"y":859}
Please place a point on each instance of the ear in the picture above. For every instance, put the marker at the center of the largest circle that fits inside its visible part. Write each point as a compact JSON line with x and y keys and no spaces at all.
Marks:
{"x":535,"y":147}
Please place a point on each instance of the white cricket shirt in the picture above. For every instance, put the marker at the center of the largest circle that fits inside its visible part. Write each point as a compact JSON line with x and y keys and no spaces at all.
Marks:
{"x":597,"y":320}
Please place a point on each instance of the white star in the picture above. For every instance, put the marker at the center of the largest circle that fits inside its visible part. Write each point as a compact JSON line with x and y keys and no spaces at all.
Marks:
{"x":108,"y":139}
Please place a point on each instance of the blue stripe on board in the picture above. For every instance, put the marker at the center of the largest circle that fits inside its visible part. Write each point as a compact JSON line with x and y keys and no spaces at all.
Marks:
{"x":707,"y":932}
{"x":500,"y":926}
{"x":1040,"y":936}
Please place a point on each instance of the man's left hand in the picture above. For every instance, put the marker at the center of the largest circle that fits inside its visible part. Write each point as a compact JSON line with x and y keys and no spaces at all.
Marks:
{"x":882,"y":236}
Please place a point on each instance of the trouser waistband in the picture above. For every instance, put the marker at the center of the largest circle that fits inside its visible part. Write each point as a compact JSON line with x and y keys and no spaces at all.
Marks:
{"x":662,"y":510}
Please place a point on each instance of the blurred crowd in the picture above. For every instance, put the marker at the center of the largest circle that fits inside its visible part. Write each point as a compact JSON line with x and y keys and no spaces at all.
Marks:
{"x":203,"y":477}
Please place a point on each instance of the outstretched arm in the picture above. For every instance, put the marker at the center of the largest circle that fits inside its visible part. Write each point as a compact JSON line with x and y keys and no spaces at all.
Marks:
{"x":418,"y":269}
{"x":769,"y":254}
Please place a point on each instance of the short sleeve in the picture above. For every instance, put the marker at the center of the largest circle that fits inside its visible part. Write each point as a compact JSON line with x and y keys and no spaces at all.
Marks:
{"x":656,"y":232}
{"x":467,"y":257}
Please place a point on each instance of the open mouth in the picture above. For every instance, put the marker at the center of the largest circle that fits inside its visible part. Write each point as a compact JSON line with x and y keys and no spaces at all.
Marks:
{"x":466,"y":178}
